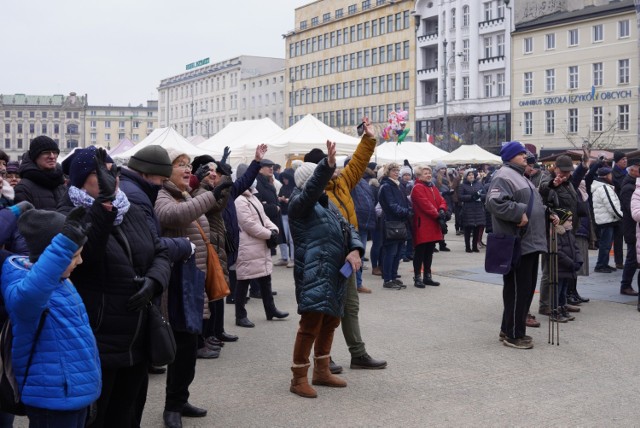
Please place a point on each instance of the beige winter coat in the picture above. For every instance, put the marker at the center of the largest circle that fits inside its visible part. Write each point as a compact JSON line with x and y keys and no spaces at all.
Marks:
{"x":254,"y":257}
{"x":177,"y":212}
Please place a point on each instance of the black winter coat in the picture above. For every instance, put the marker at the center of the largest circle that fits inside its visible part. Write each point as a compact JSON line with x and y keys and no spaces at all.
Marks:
{"x":105,"y":281}
{"x":472,"y":204}
{"x":268,"y":196}
{"x":569,"y":257}
{"x":44,"y":189}
{"x":322,"y":238}
{"x":628,"y":223}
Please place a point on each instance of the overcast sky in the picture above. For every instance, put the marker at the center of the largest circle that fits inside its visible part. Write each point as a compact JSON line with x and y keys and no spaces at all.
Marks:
{"x":117,"y":51}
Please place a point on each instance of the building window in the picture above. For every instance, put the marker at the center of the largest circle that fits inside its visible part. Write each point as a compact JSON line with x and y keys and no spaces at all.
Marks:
{"x":527,"y":45}
{"x":44,"y":128}
{"x":465,"y":50}
{"x":487,"y":86}
{"x":550,"y":75}
{"x":56,"y":114}
{"x":44,"y":114}
{"x":623,"y":117}
{"x":339,"y":13}
{"x":501,"y":85}
{"x":93,"y":124}
{"x":405,"y":81}
{"x":121,"y":124}
{"x":56,"y":128}
{"x":573,"y":77}
{"x":107,"y":124}
{"x":7,"y":128}
{"x":528,"y":123}
{"x":597,"y":74}
{"x":465,"y":88}
{"x":500,"y":43}
{"x":573,"y":120}
{"x":314,"y":21}
{"x":623,"y":29}
{"x":573,"y":37}
{"x":19,"y":128}
{"x":623,"y":71}
{"x":465,"y":16}
{"x":500,"y":10}
{"x":19,"y":114}
{"x":550,"y":41}
{"x":488,"y":11}
{"x":550,"y":121}
{"x":7,"y":113}
{"x":107,"y":137}
{"x":598,"y":33}
{"x":20,"y":143}
{"x":488,"y":48}
{"x":366,"y":4}
{"x":7,"y":143}
{"x":453,"y":18}
{"x":352,"y":9}
{"x":597,"y":119}
{"x":528,"y":82}
{"x":32,"y":114}
{"x":326,"y":17}
{"x":405,"y":50}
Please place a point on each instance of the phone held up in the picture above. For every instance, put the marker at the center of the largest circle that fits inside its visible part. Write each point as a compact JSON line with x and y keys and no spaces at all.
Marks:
{"x":360,"y":129}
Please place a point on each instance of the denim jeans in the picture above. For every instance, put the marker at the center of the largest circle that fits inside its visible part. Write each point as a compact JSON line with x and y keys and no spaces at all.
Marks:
{"x":364,"y":234}
{"x":46,"y":418}
{"x":604,"y":245}
{"x":391,"y":260}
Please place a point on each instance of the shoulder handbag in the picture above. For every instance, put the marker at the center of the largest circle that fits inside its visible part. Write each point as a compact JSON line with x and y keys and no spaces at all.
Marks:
{"x":162,"y":343}
{"x":395,"y":230}
{"x":503,"y":251}
{"x":272,"y":242}
{"x":215,"y":284}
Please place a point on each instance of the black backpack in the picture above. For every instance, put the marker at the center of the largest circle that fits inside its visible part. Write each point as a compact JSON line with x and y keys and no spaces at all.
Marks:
{"x":10,"y":401}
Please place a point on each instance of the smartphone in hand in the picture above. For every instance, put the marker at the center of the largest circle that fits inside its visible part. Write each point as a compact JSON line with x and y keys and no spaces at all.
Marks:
{"x":346,"y":270}
{"x":360,"y":129}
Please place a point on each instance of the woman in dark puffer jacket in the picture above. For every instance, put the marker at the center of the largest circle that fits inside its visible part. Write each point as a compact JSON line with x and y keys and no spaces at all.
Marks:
{"x":472,"y":196}
{"x":324,"y":241}
{"x":125,"y":266}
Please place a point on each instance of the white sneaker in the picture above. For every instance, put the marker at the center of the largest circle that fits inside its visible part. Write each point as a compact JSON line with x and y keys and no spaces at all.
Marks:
{"x":280,"y":263}
{"x":290,"y":264}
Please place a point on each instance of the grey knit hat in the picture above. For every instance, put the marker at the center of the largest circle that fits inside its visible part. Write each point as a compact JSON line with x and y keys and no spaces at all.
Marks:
{"x":303,"y":173}
{"x":151,"y":160}
{"x":38,"y":227}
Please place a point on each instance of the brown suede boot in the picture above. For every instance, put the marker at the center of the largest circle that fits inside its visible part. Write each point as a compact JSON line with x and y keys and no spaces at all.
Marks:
{"x":300,"y":383}
{"x":322,"y":375}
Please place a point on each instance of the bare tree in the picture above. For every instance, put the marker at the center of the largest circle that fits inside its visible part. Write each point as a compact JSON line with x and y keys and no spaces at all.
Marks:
{"x":604,"y":140}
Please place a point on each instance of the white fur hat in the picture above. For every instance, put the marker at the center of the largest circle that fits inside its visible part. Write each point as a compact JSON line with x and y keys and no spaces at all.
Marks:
{"x":303,"y":173}
{"x":175,"y":154}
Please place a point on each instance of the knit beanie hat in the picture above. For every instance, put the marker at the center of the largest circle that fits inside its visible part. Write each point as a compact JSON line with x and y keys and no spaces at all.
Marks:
{"x":303,"y":173}
{"x":12,"y":167}
{"x":241,"y":169}
{"x":198,"y":161}
{"x":175,"y":154}
{"x":511,"y":150}
{"x":405,"y":170}
{"x":80,"y":164}
{"x":152,"y":160}
{"x":440,"y":165}
{"x":41,"y":144}
{"x":372,"y":166}
{"x":617,"y":155}
{"x":38,"y":227}
{"x":314,"y":156}
{"x":604,"y":171}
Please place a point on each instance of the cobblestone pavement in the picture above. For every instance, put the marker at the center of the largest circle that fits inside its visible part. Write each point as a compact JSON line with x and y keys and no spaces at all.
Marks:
{"x":446,"y":365}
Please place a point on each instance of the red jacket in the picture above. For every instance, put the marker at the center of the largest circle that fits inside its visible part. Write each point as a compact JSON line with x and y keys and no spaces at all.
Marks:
{"x":426,"y":201}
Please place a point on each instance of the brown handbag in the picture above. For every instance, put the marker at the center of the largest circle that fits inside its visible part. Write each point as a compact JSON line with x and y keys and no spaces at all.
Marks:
{"x":215,"y":284}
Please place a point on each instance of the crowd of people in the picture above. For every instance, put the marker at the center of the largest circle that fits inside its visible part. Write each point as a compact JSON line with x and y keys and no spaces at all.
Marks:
{"x":87,"y":248}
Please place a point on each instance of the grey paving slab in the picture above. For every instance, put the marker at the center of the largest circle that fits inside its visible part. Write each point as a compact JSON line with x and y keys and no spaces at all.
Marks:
{"x":446,"y":365}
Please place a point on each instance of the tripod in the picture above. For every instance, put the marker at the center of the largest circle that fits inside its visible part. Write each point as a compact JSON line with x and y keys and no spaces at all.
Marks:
{"x":554,"y":331}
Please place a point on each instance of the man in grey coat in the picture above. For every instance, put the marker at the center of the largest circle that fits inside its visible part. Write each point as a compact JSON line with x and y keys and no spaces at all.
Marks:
{"x":508,"y":199}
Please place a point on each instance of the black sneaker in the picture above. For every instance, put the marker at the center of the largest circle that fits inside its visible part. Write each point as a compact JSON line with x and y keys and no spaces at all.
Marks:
{"x":333,"y":367}
{"x":391,"y":285}
{"x":445,"y":248}
{"x":526,"y":338}
{"x":517,"y":343}
{"x":605,"y":269}
{"x":399,"y":283}
{"x":366,"y":362}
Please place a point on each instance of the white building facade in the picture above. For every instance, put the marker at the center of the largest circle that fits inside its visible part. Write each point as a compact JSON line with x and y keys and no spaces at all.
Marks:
{"x":205,"y":99}
{"x":463,"y":50}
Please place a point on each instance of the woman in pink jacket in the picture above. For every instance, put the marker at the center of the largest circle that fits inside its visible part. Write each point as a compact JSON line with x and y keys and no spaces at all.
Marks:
{"x":635,"y":213}
{"x":254,"y":256}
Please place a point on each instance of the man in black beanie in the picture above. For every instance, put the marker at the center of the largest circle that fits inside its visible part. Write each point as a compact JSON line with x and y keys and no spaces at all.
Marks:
{"x":42,"y":180}
{"x":339,"y":192}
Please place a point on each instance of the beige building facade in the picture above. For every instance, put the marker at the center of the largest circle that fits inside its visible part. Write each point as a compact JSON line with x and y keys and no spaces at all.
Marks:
{"x":575,"y":77}
{"x":348,"y":59}
{"x":204,"y":99}
{"x":106,"y":126}
{"x":24,"y":117}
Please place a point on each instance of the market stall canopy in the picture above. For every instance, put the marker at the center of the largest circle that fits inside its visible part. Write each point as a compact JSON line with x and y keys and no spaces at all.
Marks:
{"x":306,"y":134}
{"x":242,"y":138}
{"x":163,"y":137}
{"x":124,"y":145}
{"x":196,"y":139}
{"x":470,"y":154}
{"x":416,"y":153}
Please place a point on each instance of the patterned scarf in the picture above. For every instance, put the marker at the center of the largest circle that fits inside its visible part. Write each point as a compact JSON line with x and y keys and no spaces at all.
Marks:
{"x":80,"y":197}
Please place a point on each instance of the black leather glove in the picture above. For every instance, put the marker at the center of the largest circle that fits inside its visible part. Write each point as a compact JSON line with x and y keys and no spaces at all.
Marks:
{"x":225,"y":155}
{"x":148,"y":289}
{"x":442,"y":214}
{"x":217,"y":191}
{"x":75,"y":227}
{"x":107,"y":179}
{"x":202,"y":172}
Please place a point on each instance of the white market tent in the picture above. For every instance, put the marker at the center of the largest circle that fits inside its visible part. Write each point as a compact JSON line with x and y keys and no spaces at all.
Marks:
{"x":306,"y":134}
{"x":196,"y":139}
{"x":416,"y":153}
{"x":242,"y":138}
{"x":124,"y":145}
{"x":163,"y":137}
{"x":470,"y":154}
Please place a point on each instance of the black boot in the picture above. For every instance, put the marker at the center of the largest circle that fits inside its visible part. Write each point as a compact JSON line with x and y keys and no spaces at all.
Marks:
{"x":275,"y":313}
{"x":417,"y":282}
{"x":428,"y":281}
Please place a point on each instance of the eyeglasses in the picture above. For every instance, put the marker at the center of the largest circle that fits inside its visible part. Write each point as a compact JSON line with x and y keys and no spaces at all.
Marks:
{"x":183,"y":165}
{"x":394,"y":170}
{"x":49,"y":153}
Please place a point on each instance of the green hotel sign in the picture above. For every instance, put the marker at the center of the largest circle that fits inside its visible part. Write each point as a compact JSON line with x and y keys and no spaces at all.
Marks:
{"x":198,"y":63}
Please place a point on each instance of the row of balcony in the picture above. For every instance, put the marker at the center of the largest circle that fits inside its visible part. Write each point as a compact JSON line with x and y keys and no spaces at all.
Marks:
{"x":484,"y":64}
{"x":431,"y":36}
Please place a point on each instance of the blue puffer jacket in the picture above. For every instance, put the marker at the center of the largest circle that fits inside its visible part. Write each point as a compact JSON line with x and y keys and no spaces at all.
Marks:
{"x":65,"y":371}
{"x":322,"y":238}
{"x":394,"y":203}
{"x":365,"y":204}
